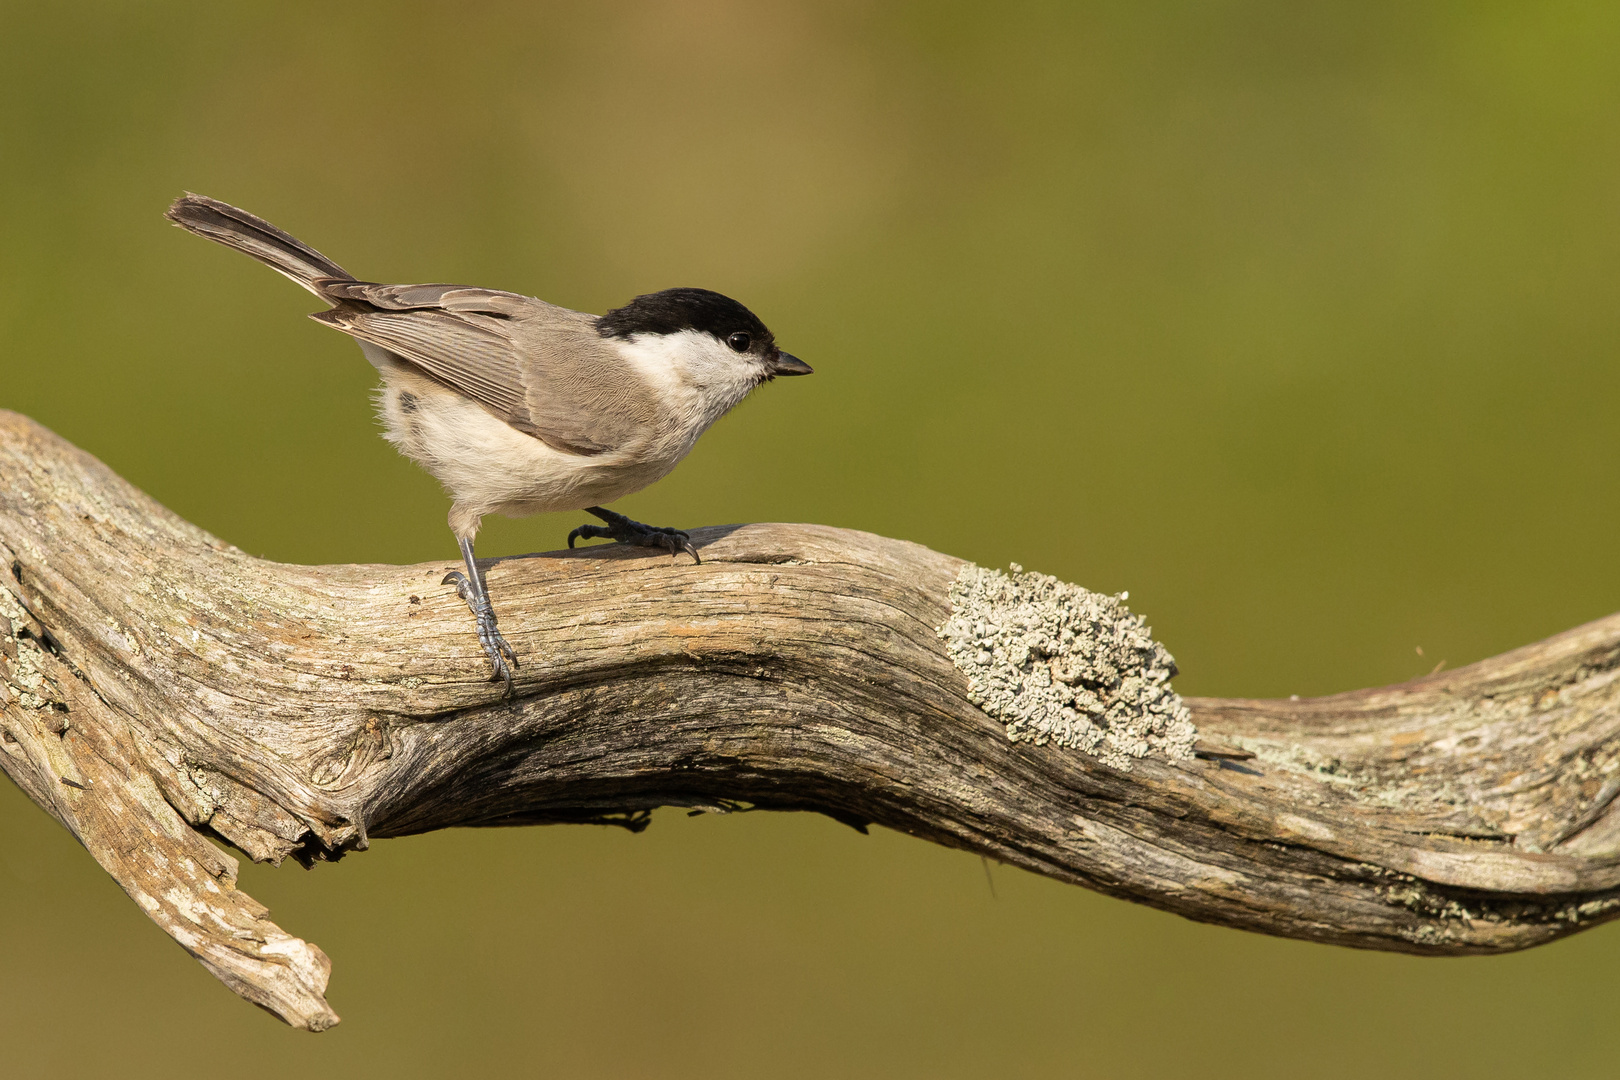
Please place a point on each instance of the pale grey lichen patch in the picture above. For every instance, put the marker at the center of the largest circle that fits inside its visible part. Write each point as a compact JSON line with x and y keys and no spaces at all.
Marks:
{"x":25,"y":671}
{"x":10,"y":609}
{"x":1060,"y":664}
{"x":1391,"y":786}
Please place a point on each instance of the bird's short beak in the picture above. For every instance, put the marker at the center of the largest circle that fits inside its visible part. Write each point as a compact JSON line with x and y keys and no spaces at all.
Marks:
{"x":788,"y":364}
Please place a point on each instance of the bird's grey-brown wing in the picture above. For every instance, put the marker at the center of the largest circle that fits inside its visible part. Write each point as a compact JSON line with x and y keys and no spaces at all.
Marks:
{"x":441,"y":297}
{"x":541,"y":368}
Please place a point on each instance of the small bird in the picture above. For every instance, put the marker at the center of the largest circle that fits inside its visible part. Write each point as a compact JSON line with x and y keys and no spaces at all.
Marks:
{"x":520,"y":407}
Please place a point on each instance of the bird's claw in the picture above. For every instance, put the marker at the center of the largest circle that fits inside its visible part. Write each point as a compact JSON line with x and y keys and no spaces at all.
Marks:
{"x":463,"y":586}
{"x":502,"y":658}
{"x":621,"y":529}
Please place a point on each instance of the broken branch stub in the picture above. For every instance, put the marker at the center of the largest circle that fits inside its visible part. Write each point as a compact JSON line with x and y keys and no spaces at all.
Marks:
{"x":160,"y":690}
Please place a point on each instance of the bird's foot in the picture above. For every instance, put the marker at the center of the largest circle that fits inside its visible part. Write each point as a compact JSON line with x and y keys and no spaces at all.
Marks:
{"x":501,"y":657}
{"x":625,"y":531}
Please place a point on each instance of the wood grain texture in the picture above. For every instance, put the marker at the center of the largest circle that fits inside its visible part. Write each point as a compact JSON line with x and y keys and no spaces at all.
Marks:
{"x":159,"y":689}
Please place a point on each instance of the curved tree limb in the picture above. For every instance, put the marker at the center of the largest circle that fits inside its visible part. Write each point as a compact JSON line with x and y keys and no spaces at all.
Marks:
{"x":159,"y":687}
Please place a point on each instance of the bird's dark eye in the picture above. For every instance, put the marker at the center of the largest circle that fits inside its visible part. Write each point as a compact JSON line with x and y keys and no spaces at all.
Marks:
{"x":739,"y":342}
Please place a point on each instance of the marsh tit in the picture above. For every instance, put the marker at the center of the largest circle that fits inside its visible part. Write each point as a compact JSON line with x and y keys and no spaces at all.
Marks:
{"x":518,"y":406}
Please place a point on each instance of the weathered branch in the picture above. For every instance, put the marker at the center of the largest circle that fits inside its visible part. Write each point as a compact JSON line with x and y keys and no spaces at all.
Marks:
{"x":158,"y":686}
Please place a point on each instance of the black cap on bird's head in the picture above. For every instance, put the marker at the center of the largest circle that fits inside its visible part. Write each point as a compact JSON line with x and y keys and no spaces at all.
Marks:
{"x":674,"y":310}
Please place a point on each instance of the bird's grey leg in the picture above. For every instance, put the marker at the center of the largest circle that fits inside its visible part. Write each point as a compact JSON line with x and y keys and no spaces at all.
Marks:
{"x":470,"y":587}
{"x":625,"y":531}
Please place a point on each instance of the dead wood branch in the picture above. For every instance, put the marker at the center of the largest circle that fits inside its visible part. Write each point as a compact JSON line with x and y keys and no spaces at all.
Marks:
{"x":158,"y":688}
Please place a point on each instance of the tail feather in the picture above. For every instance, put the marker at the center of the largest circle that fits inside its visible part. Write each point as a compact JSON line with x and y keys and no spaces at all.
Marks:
{"x":254,"y":236}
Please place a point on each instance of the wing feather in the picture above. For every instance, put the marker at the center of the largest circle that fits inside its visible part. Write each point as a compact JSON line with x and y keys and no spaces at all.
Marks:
{"x":447,"y":297}
{"x":541,"y":368}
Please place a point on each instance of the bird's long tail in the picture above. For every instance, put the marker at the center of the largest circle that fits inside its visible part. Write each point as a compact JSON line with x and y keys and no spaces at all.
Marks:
{"x":256,"y":237}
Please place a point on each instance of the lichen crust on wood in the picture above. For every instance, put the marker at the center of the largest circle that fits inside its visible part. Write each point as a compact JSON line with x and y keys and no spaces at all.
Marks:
{"x":1058,"y":663}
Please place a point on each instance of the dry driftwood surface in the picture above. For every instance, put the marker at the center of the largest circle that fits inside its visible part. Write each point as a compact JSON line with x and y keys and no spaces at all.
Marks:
{"x":160,"y":689}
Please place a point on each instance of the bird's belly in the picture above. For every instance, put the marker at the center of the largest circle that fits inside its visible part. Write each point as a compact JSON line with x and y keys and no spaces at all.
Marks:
{"x":488,"y":466}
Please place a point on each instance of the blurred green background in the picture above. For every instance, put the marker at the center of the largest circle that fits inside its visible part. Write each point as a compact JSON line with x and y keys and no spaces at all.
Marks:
{"x":1296,"y":320}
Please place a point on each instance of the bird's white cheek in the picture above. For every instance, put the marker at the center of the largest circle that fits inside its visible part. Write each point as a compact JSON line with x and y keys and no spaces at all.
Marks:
{"x":695,"y":378}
